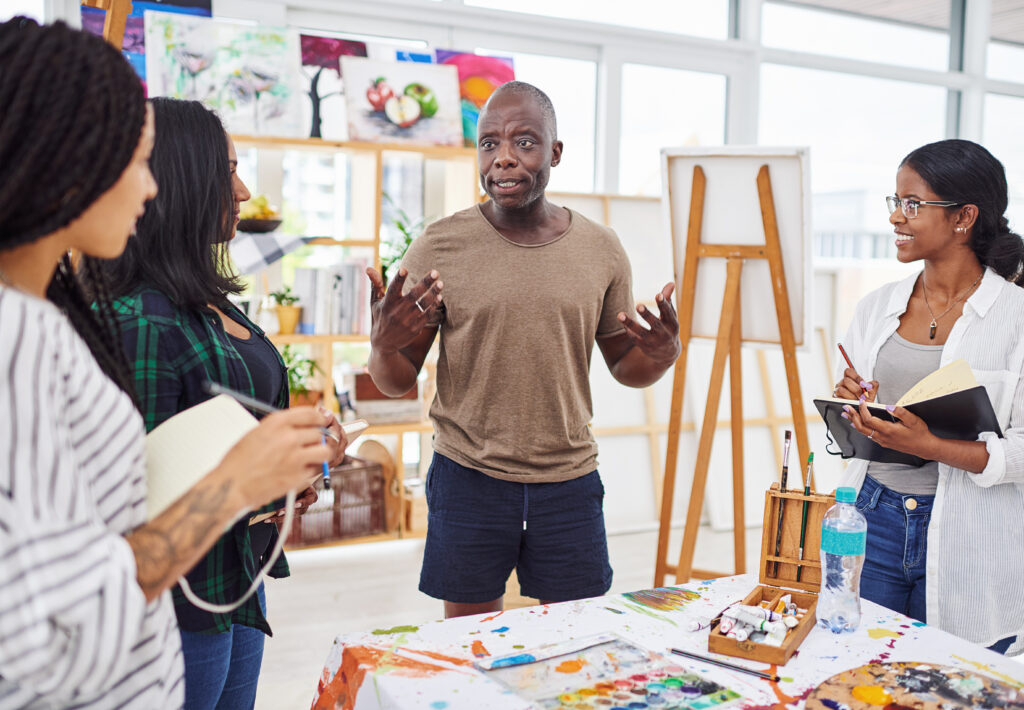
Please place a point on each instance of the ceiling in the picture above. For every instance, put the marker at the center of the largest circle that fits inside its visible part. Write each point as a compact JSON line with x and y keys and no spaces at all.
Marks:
{"x":1007,"y":15}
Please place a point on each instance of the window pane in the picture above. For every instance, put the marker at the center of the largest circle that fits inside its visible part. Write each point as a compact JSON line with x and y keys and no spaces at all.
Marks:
{"x":859,"y":129}
{"x":1004,"y":115}
{"x":702,"y":18}
{"x":571,"y":85}
{"x":846,"y":35}
{"x":29,"y":8}
{"x":1005,"y":60}
{"x":664,"y":107}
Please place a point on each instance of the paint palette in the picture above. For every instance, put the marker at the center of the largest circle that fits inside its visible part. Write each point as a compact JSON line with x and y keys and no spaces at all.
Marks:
{"x":605,"y":672}
{"x":922,"y":686}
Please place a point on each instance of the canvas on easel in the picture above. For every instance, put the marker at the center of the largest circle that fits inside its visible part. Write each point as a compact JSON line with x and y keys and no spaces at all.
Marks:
{"x":740,"y":224}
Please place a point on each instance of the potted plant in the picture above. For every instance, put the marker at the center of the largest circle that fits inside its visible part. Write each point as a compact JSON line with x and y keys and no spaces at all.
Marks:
{"x":300,"y":376}
{"x":393,"y":250}
{"x":287,"y":311}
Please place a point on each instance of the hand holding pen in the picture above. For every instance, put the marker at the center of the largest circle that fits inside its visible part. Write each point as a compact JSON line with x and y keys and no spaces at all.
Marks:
{"x":852,"y":385}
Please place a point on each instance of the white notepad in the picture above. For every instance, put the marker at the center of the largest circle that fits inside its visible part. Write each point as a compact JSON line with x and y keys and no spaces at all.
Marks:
{"x":186,"y":447}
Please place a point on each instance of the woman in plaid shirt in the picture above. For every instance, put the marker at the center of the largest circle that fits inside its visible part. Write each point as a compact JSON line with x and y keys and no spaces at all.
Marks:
{"x":180,"y":331}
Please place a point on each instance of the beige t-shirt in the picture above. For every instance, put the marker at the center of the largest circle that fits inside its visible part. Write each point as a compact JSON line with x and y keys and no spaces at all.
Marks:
{"x":517,"y":332}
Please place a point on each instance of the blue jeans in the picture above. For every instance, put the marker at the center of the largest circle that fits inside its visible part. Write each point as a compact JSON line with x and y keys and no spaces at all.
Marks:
{"x":222,"y":670}
{"x":897,"y":549}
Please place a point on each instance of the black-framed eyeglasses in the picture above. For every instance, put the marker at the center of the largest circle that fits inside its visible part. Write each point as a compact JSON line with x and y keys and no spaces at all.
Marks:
{"x":910,"y":205}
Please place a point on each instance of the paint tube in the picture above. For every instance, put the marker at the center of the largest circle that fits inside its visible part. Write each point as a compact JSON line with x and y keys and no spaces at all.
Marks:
{"x":783,"y":604}
{"x":726,"y":624}
{"x":750,"y":614}
{"x":698,"y":624}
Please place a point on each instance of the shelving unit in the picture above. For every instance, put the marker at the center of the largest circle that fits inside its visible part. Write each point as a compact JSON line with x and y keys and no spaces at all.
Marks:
{"x":450,"y":184}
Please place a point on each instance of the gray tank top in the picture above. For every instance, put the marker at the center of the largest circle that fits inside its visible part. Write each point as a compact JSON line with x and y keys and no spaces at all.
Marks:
{"x":900,"y":365}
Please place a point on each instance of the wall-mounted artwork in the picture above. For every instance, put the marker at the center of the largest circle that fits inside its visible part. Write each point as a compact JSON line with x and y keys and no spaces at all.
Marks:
{"x":321,"y":67}
{"x":246,"y":73}
{"x":479,"y":76}
{"x":402,"y":102}
{"x":134,"y":46}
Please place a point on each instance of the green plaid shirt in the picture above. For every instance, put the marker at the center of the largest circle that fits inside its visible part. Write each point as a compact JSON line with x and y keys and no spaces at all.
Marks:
{"x":173,"y":351}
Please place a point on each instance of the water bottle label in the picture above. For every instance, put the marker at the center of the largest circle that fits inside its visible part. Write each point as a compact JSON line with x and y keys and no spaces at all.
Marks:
{"x":843,"y":543}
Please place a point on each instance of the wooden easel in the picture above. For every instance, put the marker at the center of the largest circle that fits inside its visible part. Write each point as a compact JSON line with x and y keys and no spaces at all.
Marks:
{"x":727,"y":345}
{"x":114,"y":23}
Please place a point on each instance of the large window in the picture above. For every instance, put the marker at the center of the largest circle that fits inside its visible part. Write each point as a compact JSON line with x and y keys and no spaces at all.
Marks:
{"x":1004,"y":116}
{"x":841,"y":34}
{"x":858,"y":129}
{"x":703,"y":18}
{"x":664,"y":107}
{"x":29,"y":8}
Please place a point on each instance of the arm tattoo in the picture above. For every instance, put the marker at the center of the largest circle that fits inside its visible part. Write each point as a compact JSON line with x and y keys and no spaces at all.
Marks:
{"x":168,"y":546}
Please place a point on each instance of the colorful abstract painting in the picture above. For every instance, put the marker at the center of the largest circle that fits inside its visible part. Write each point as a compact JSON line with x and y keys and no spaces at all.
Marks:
{"x":321,"y":69}
{"x":479,"y":76}
{"x":134,"y":46}
{"x":248,"y":74}
{"x":402,"y":102}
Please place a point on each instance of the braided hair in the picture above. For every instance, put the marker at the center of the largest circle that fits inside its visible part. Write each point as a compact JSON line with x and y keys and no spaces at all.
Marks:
{"x":73,"y":112}
{"x":964,"y":172}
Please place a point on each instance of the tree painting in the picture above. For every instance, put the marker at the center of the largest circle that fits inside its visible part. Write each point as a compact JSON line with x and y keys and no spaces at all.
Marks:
{"x":325,"y":53}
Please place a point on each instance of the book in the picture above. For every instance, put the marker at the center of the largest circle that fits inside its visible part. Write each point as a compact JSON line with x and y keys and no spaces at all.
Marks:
{"x":949,"y":400}
{"x":183,"y":449}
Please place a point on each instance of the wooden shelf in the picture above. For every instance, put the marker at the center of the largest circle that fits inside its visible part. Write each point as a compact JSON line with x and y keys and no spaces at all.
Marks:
{"x":302,"y":339}
{"x":422,"y":427}
{"x":327,"y":241}
{"x":283,"y":142}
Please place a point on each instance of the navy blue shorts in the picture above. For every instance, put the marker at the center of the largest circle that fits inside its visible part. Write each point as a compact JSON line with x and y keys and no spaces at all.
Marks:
{"x":480,"y":528}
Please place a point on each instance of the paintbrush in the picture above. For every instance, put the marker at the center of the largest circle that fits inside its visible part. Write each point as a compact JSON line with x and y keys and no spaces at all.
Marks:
{"x":782,"y":501}
{"x":803,"y":515}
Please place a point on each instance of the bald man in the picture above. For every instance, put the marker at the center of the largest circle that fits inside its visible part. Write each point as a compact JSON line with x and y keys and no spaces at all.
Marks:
{"x":520,"y":290}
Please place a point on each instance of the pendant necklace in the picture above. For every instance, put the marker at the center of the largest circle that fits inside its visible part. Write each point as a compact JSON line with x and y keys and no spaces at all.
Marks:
{"x":934,"y":324}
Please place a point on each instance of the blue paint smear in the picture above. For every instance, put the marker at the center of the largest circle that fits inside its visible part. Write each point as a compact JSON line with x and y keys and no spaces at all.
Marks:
{"x":502,"y":630}
{"x":439,"y":705}
{"x":831,"y":704}
{"x":514,"y":660}
{"x":920,"y":623}
{"x":614,"y":611}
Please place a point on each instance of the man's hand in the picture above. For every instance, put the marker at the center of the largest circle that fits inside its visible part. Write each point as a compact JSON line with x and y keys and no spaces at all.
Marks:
{"x":659,"y":342}
{"x":398,"y":319}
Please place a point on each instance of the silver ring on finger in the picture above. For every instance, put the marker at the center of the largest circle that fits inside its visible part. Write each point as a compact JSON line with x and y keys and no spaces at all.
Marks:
{"x":872,"y":435}
{"x":420,"y":306}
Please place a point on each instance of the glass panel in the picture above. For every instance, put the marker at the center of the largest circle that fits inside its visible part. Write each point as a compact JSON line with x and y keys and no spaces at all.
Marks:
{"x":859,"y":129}
{"x":846,"y":35}
{"x":665,"y":107}
{"x":35,"y":9}
{"x":1004,"y":115}
{"x":316,"y":196}
{"x":1005,"y":60}
{"x":571,"y":85}
{"x":702,"y":18}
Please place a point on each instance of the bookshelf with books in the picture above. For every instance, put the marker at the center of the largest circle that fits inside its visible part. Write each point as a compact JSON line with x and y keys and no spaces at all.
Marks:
{"x":340,"y":191}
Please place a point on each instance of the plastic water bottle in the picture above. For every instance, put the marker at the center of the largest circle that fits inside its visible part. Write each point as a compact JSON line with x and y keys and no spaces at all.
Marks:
{"x":843,"y":537}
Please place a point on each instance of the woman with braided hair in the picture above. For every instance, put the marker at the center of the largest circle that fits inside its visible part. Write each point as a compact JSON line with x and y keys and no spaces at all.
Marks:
{"x":945,"y":540}
{"x":85,"y":609}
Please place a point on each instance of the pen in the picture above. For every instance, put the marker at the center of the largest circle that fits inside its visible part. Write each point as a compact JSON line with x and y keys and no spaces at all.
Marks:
{"x":782,"y":501}
{"x":803,"y":515}
{"x":247,"y":401}
{"x":327,"y":470}
{"x":723,"y":664}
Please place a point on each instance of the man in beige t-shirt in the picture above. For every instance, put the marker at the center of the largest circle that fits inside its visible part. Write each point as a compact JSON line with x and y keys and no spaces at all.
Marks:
{"x":528,"y":288}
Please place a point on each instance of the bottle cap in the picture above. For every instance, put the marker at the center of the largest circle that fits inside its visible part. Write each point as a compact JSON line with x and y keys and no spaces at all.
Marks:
{"x":845,"y":494}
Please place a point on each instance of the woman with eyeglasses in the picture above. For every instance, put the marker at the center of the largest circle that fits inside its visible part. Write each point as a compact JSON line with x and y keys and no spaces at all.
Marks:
{"x":945,"y":540}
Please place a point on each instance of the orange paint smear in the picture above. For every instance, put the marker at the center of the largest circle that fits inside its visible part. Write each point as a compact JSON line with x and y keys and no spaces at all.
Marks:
{"x":784,"y":699}
{"x":479,"y":650}
{"x":571,"y":666}
{"x":871,"y":694}
{"x":357,"y":661}
{"x":492,"y":618}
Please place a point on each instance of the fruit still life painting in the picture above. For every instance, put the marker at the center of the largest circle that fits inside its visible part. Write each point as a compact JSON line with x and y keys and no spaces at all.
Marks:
{"x":402,"y":102}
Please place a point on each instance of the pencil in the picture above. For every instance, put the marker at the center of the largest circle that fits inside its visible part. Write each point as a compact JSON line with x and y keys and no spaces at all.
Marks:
{"x":723,"y":664}
{"x":845,"y":356}
{"x":803,"y":515}
{"x":782,"y":501}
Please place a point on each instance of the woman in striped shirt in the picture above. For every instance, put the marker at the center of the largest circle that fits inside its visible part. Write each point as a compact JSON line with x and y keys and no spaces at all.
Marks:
{"x":85,"y":613}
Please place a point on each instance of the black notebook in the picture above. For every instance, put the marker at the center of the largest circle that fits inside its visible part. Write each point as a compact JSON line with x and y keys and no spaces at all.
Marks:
{"x":949,"y":400}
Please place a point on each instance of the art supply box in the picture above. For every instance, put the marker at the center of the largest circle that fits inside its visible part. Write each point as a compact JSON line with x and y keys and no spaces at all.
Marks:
{"x":780,"y":579}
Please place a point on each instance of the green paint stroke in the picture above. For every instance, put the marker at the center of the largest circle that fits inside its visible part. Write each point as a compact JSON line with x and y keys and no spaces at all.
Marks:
{"x":663,"y":598}
{"x":649,"y":612}
{"x":396,"y":630}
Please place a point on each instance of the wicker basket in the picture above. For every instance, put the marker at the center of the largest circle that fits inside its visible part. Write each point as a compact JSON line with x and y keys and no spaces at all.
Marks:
{"x":352,"y":508}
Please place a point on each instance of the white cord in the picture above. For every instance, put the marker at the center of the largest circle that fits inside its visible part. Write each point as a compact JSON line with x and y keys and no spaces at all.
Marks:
{"x":289,"y":513}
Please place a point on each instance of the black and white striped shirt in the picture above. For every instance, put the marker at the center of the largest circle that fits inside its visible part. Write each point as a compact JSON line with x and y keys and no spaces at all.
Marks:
{"x":75,"y":629}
